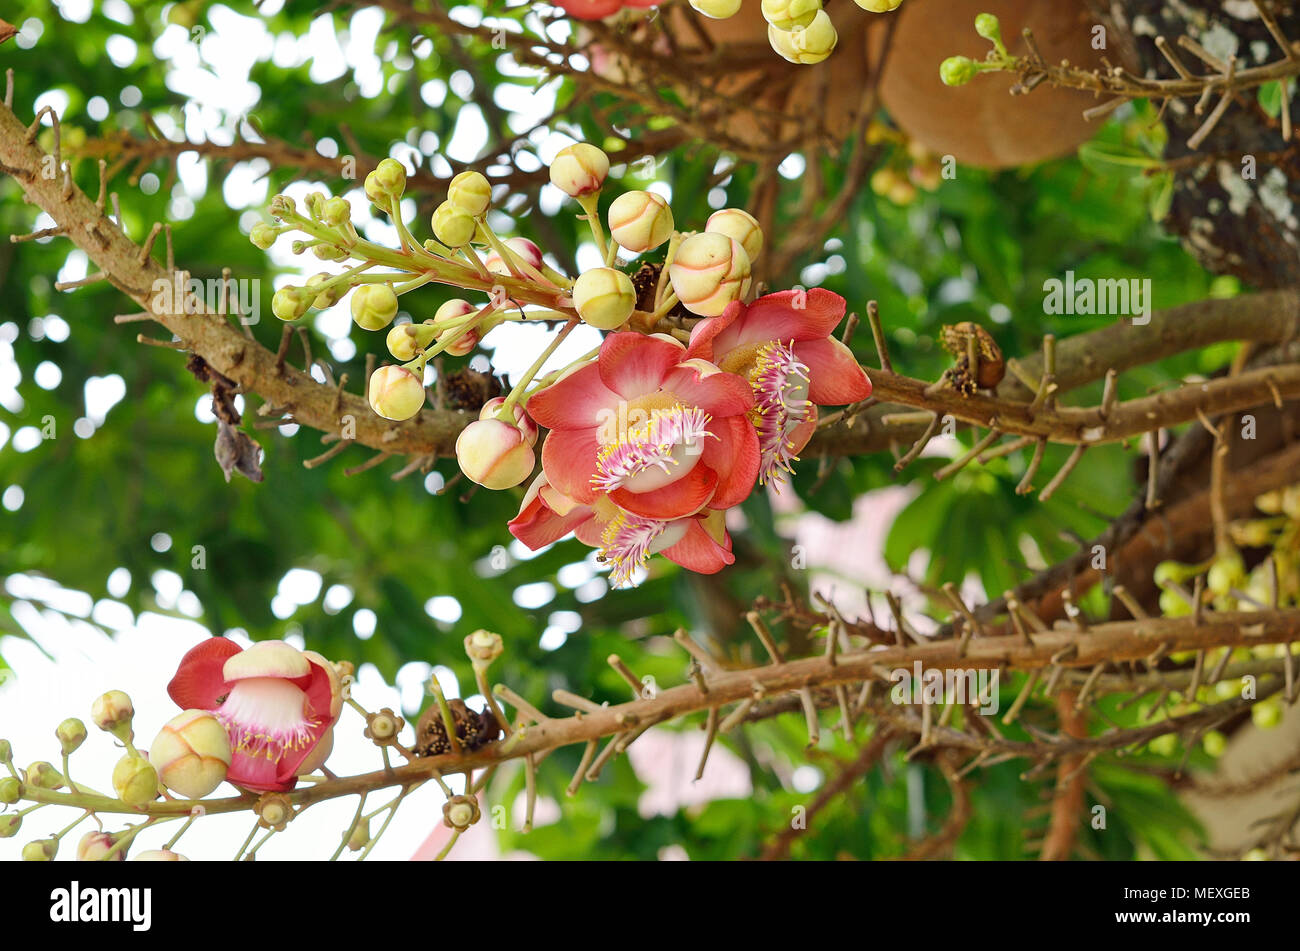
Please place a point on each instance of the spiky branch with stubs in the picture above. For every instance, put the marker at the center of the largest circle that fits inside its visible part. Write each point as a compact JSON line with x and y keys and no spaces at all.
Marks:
{"x":1220,"y":648}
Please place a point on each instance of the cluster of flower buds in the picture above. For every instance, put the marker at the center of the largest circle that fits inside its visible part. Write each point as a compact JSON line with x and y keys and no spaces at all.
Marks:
{"x":959,"y":70}
{"x":652,"y":436}
{"x":908,"y":166}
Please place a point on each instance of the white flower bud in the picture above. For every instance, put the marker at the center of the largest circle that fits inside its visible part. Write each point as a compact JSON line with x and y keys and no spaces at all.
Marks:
{"x":395,"y":393}
{"x":740,"y":225}
{"x":709,"y":272}
{"x":374,"y":306}
{"x":811,"y":44}
{"x":453,"y":226}
{"x":579,"y":169}
{"x":790,"y":14}
{"x":470,"y":192}
{"x":640,"y":221}
{"x":604,"y":297}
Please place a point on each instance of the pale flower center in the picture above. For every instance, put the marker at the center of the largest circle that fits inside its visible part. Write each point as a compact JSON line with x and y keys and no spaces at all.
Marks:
{"x":628,"y":540}
{"x":781,"y":404}
{"x":653,"y":452}
{"x":266,"y":716}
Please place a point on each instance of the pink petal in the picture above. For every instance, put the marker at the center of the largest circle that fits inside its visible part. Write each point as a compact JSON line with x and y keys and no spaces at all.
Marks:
{"x":632,"y":364}
{"x":701,"y":384}
{"x":707,"y":330}
{"x":835,"y":378}
{"x":700,"y":553}
{"x":537,"y":524}
{"x":199,"y":684}
{"x":576,"y":401}
{"x":569,"y":461}
{"x":684,"y":497}
{"x":735,"y":457}
{"x":774,"y":317}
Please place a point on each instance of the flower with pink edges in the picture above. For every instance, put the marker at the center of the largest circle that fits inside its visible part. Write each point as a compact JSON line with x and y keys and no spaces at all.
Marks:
{"x":661,"y":434}
{"x":277,"y":703}
{"x":782,"y":345}
{"x":599,"y":9}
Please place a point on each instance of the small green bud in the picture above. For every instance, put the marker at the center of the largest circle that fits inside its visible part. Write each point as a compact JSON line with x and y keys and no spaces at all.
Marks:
{"x":9,"y":826}
{"x":453,"y":226}
{"x":1172,"y":605}
{"x":290,"y":303}
{"x":405,"y":341}
{"x":328,"y":297}
{"x":360,"y":836}
{"x":388,"y":180}
{"x":374,"y":306}
{"x":263,"y":236}
{"x":314,"y":202}
{"x":336,"y":212}
{"x":135,"y":781}
{"x":282,"y":206}
{"x":71,"y":733}
{"x":470,"y":192}
{"x":44,"y":776}
{"x":11,"y":790}
{"x":112,"y":713}
{"x":1227,"y":572}
{"x":988,"y":26}
{"x":42,"y":850}
{"x":6,"y":751}
{"x":957,"y":70}
{"x":329,"y":252}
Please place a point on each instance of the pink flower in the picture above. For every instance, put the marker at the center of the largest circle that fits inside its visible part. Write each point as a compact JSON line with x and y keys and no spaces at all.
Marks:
{"x":593,"y":9}
{"x":277,"y":703}
{"x":789,"y":357}
{"x":662,"y":435}
{"x":699,"y":542}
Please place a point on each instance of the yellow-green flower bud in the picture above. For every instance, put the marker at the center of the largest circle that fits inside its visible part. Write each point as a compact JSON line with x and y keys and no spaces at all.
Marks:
{"x":957,"y":70}
{"x":811,"y":44}
{"x":988,"y":26}
{"x":1267,"y":714}
{"x":290,"y":303}
{"x":9,"y":826}
{"x":790,"y":14}
{"x":709,"y":271}
{"x":95,"y":846}
{"x":1173,"y":605}
{"x":263,"y":235}
{"x":374,"y":306}
{"x":453,"y":226}
{"x":395,"y":393}
{"x":112,"y":713}
{"x":579,"y":169}
{"x":11,"y":790}
{"x":640,"y":221}
{"x":878,"y":6}
{"x":135,"y":781}
{"x":405,"y":341}
{"x":44,"y":776}
{"x":360,"y":836}
{"x":6,"y":751}
{"x":191,"y":754}
{"x":71,"y":733}
{"x":388,"y":180}
{"x":336,"y":212}
{"x":329,"y":252}
{"x":282,"y":206}
{"x":470,"y":192}
{"x":329,"y":296}
{"x":1227,"y":572}
{"x":717,"y":9}
{"x":604,"y":297}
{"x":740,"y":225}
{"x":42,"y":850}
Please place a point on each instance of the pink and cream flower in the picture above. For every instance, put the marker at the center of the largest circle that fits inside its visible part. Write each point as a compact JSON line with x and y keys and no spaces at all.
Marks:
{"x":662,"y":435}
{"x":789,"y":357}
{"x":277,"y":703}
{"x":626,"y":541}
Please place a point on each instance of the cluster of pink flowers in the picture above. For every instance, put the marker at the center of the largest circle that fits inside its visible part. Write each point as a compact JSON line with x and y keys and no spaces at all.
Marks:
{"x":651,"y":444}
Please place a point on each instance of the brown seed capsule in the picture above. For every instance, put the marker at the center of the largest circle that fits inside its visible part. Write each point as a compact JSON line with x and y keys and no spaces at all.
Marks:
{"x":957,"y":340}
{"x":473,"y":730}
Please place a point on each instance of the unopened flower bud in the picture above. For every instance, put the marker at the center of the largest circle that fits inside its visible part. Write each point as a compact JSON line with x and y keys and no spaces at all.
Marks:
{"x":1227,"y":572}
{"x":470,"y":192}
{"x":374,"y":306}
{"x":1173,"y":605}
{"x":94,"y":846}
{"x":328,"y":297}
{"x":406,"y":340}
{"x":640,"y":221}
{"x":191,"y":754}
{"x":282,"y":206}
{"x":71,"y":733}
{"x":579,"y":169}
{"x":463,"y":345}
{"x":6,"y":751}
{"x":330,"y":252}
{"x":112,"y":713}
{"x":395,"y":393}
{"x":989,"y":27}
{"x":290,"y":303}
{"x":11,"y":790}
{"x":522,"y":419}
{"x":453,"y":226}
{"x":716,"y":9}
{"x":957,"y":70}
{"x":336,"y":212}
{"x":43,"y":776}
{"x":160,"y":855}
{"x":9,"y":826}
{"x":742,"y":226}
{"x":42,"y":850}
{"x":790,"y":14}
{"x":494,"y":454}
{"x":388,"y":180}
{"x":604,"y":297}
{"x":483,"y":647}
{"x":709,"y":272}
{"x":263,"y":236}
{"x":878,"y":6}
{"x":360,"y":836}
{"x":135,"y":781}
{"x":810,"y":44}
{"x":523,"y":250}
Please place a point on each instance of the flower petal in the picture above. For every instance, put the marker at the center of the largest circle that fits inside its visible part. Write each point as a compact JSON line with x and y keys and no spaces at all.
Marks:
{"x":632,"y":364}
{"x":576,"y":401}
{"x":774,"y":317}
{"x":537,"y":524}
{"x":835,"y":378}
{"x":569,"y":461}
{"x":704,"y":333}
{"x":700,"y":383}
{"x":697,"y":551}
{"x":199,"y":684}
{"x":684,"y":497}
{"x":735,"y":456}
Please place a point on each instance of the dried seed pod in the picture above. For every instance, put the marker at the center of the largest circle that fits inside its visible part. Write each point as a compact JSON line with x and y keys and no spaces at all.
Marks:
{"x":473,"y":730}
{"x":991,"y":367}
